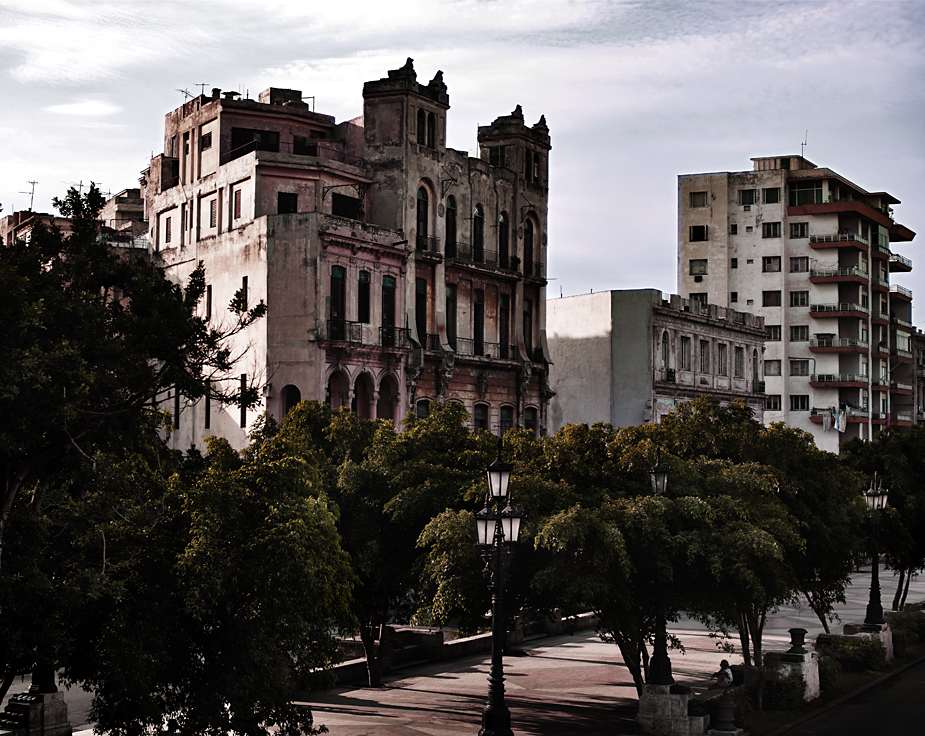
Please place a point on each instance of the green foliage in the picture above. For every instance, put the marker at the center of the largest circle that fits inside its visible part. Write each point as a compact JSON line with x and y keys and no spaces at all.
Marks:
{"x":784,"y":692}
{"x":855,"y":655}
{"x":829,"y":671}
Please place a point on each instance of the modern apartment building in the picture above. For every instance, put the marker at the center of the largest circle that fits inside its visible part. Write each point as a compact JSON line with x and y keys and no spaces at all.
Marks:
{"x":630,"y":357}
{"x":396,"y":270}
{"x":812,"y":253}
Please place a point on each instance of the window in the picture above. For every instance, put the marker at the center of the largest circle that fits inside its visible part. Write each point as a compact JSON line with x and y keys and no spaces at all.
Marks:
{"x":206,"y":141}
{"x":241,"y":395}
{"x":799,"y":367}
{"x":799,"y":264}
{"x":237,"y":204}
{"x":479,"y":417}
{"x":451,"y":226}
{"x":244,"y":290}
{"x":704,"y":356}
{"x":167,"y":233}
{"x":799,"y":298}
{"x":451,"y":314}
{"x":422,"y":220}
{"x":388,"y":311}
{"x":528,"y":325}
{"x":698,"y":296}
{"x":431,"y":130}
{"x":528,"y":248}
{"x":343,"y":205}
{"x":733,"y":263}
{"x":685,"y":353}
{"x":213,"y":212}
{"x":338,"y":303}
{"x":799,"y":229}
{"x":805,"y":192}
{"x":496,"y":156}
{"x":420,"y":310}
{"x":721,"y":362}
{"x":733,"y":229}
{"x":536,"y":168}
{"x":478,"y":235}
{"x":301,"y":146}
{"x":287,"y":203}
{"x":698,"y":233}
{"x":665,"y":350}
{"x":772,"y":367}
{"x":770,"y":264}
{"x":740,"y":362}
{"x":733,"y":296}
{"x":208,"y":411}
{"x":528,"y":166}
{"x":772,"y":332}
{"x":771,"y":195}
{"x":530,"y":419}
{"x":504,"y":235}
{"x":422,"y":128}
{"x":698,"y":266}
{"x":748,"y":228}
{"x":698,"y":199}
{"x":799,"y":402}
{"x":245,"y":140}
{"x":363,"y":298}
{"x":422,"y":409}
{"x":770,"y":299}
{"x":209,"y":301}
{"x":772,"y":402}
{"x":507,"y":419}
{"x":747,"y":196}
{"x":770,"y":229}
{"x":799,"y":333}
{"x":504,"y":326}
{"x":478,"y":321}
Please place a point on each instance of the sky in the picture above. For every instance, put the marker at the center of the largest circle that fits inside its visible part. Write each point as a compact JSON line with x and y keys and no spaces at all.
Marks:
{"x":635,"y":93}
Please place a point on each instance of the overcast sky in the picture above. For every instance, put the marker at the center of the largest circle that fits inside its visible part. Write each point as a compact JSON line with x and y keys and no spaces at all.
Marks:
{"x":634,"y":93}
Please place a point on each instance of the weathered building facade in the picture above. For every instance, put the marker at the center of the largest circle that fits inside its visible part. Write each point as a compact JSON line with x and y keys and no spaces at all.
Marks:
{"x":810,"y":252}
{"x":630,"y":357}
{"x":395,"y":270}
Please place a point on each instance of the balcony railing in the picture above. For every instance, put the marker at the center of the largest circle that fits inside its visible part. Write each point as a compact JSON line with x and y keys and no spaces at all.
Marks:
{"x":839,"y":238}
{"x":395,"y":337}
{"x":904,"y":416}
{"x":466,"y":253}
{"x":897,"y":386}
{"x":901,"y":260}
{"x":427,"y":244}
{"x":898,"y":321}
{"x":828,"y":273}
{"x":901,"y":291}
{"x":341,"y":330}
{"x":837,"y":342}
{"x":840,"y":307}
{"x":837,"y":378}
{"x":877,"y":281}
{"x":881,"y":315}
{"x":900,"y":353}
{"x":362,"y":333}
{"x":534,"y":269}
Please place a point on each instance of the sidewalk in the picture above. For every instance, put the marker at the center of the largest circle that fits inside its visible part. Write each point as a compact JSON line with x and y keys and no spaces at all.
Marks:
{"x":559,"y":685}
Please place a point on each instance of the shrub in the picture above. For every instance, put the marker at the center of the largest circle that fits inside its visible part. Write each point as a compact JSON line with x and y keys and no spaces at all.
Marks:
{"x":901,"y":639}
{"x":911,"y":622}
{"x":829,"y":671}
{"x":784,"y":692}
{"x":856,"y":655}
{"x":744,"y":705}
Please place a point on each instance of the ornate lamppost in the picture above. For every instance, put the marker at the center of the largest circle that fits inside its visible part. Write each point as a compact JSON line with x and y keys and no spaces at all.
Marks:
{"x":496,"y":528}
{"x":660,"y":664}
{"x":876,"y":498}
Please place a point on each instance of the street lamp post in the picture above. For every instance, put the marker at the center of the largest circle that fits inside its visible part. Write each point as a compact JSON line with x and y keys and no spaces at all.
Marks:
{"x":495,"y":528}
{"x":660,"y":664}
{"x":876,"y":498}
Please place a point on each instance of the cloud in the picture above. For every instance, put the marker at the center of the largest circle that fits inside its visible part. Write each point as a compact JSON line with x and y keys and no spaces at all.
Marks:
{"x":87,"y":108}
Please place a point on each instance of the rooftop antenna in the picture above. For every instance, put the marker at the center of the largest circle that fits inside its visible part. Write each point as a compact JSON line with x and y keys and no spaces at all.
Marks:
{"x":185,"y":92}
{"x":31,"y":194}
{"x":202,"y":87}
{"x":804,"y":143}
{"x":78,"y":184}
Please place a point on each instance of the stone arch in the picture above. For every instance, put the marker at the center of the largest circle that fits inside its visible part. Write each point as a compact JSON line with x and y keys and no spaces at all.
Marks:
{"x":289,"y":397}
{"x":364,"y":396}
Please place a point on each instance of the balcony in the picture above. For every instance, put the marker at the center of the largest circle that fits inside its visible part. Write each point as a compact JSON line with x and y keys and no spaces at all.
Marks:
{"x":427,"y":246}
{"x":901,"y":388}
{"x":834,"y":275}
{"x":837,"y":345}
{"x":362,"y":333}
{"x":880,"y":284}
{"x":880,"y":317}
{"x":534,"y":269}
{"x":469,"y":347}
{"x":842,"y":309}
{"x":759,"y":387}
{"x":900,"y":292}
{"x":904,"y":356}
{"x":903,"y":417}
{"x":852,"y":414}
{"x":837,"y":380}
{"x":901,"y":323}
{"x":273,"y":149}
{"x":899,"y":263}
{"x":841,"y":240}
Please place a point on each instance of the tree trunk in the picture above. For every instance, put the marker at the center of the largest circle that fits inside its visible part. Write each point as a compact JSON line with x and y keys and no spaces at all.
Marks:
{"x":743,"y":638}
{"x":5,"y":684}
{"x":902,"y":603}
{"x":756,"y":628}
{"x":899,"y":588}
{"x":373,"y":660}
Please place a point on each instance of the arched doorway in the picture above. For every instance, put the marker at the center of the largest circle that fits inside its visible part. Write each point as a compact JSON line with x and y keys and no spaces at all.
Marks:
{"x":362,"y":393}
{"x":388,"y":395}
{"x":289,"y":398}
{"x":338,"y":390}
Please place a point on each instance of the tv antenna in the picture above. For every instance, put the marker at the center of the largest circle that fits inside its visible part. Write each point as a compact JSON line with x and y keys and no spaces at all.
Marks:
{"x":185,"y":92}
{"x":31,"y":194}
{"x":202,"y":87}
{"x":804,"y":143}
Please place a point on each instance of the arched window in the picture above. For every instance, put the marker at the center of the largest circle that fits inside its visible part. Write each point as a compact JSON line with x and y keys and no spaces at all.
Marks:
{"x":363,"y":298}
{"x":507,"y":418}
{"x":504,"y":231}
{"x":420,"y":311}
{"x":451,"y":226}
{"x":530,"y":419}
{"x":422,"y":128}
{"x":756,"y":375}
{"x":451,"y":314}
{"x":665,"y":350}
{"x":291,"y":396}
{"x":528,"y":166}
{"x":478,"y":234}
{"x":478,"y":322}
{"x":479,"y":417}
{"x":422,"y":409}
{"x":423,"y":207}
{"x":338,"y":329}
{"x":528,"y":248}
{"x":431,"y":131}
{"x":388,"y":312}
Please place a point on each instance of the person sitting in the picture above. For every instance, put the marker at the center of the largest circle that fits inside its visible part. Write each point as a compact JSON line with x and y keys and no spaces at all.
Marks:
{"x":723,"y":677}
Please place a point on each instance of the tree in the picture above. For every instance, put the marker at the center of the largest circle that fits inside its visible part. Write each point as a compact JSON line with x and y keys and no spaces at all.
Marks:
{"x":90,"y":337}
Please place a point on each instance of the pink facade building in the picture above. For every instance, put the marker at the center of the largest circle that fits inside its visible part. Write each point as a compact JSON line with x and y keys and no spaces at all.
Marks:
{"x":395,"y":270}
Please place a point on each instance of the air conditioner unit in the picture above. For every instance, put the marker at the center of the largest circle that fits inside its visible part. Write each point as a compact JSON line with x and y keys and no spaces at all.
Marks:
{"x":698,"y":279}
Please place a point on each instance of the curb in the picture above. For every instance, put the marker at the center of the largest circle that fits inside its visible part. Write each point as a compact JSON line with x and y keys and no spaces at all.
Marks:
{"x":844,"y":698}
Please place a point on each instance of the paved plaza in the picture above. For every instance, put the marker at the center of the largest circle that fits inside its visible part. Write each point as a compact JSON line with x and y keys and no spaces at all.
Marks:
{"x":565,"y":684}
